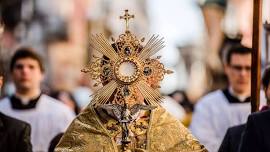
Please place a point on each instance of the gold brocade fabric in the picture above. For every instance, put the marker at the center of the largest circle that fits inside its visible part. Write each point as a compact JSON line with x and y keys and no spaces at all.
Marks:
{"x":165,"y":134}
{"x":137,"y":130}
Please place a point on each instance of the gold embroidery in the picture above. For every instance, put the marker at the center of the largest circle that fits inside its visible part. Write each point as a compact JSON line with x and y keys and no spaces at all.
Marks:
{"x":165,"y":134}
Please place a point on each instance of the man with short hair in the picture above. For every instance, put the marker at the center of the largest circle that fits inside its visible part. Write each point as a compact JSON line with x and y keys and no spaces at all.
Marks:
{"x":47,"y":116}
{"x":256,"y":136}
{"x":221,"y":109}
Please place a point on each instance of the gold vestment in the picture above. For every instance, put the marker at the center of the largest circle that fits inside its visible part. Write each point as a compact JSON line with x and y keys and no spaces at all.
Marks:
{"x":164,"y":134}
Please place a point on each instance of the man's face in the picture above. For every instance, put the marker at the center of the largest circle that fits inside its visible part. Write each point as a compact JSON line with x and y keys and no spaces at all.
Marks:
{"x":239,"y":73}
{"x":27,"y":74}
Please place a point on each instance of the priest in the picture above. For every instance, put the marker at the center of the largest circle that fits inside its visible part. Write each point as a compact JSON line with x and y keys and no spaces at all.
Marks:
{"x":125,"y":114}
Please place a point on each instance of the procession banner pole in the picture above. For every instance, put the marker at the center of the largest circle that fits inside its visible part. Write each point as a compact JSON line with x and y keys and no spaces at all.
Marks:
{"x":256,"y":55}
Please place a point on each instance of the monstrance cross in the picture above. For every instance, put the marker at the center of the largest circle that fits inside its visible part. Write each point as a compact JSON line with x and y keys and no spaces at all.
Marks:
{"x":126,"y":17}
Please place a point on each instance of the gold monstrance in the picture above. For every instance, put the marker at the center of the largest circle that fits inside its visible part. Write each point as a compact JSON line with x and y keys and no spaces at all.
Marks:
{"x":126,"y":68}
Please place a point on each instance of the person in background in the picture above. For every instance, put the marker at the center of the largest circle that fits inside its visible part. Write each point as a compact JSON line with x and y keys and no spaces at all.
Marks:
{"x":233,"y":135}
{"x":221,"y":109}
{"x":47,"y":116}
{"x":256,"y":136}
{"x":15,"y":134}
{"x":68,"y":99}
{"x":266,"y":88}
{"x":181,"y":98}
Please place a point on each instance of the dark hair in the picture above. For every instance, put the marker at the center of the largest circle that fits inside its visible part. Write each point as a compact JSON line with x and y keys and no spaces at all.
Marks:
{"x":56,"y":95}
{"x":23,"y":53}
{"x":185,"y":102}
{"x":266,"y":77}
{"x":10,"y":12}
{"x":236,"y":49}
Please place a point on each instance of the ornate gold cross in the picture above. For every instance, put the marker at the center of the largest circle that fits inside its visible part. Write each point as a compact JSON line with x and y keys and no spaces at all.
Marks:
{"x":126,"y":17}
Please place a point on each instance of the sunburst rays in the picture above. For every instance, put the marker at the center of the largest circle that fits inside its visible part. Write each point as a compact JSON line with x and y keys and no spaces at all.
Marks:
{"x":103,"y":94}
{"x":99,"y":43}
{"x":152,"y":47}
{"x":151,"y":95}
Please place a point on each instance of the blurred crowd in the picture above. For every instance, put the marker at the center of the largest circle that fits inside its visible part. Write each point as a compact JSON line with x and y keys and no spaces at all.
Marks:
{"x":44,"y":45}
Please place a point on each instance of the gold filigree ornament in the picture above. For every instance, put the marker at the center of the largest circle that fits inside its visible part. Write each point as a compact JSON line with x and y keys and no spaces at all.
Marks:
{"x":113,"y":127}
{"x":139,"y":127}
{"x":126,"y":68}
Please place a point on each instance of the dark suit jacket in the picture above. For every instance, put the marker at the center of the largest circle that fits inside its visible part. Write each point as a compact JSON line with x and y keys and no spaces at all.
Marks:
{"x":232,"y":139}
{"x":14,"y":135}
{"x":55,"y":141}
{"x":256,"y":136}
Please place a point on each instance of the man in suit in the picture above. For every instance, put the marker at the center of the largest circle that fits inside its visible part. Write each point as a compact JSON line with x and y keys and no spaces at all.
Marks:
{"x":15,"y":134}
{"x":256,"y":136}
{"x":232,"y":139}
